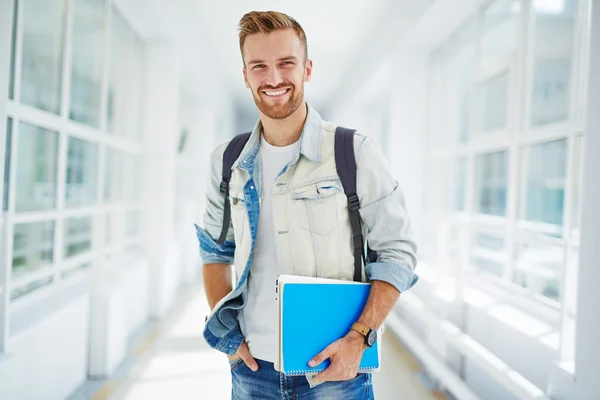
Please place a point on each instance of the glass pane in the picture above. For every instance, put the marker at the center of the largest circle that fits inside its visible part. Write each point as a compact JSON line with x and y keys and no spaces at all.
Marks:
{"x":30,"y":287}
{"x":501,"y":29}
{"x":36,"y":168}
{"x":461,"y":70}
{"x":132,"y":223}
{"x":130,"y":177}
{"x":122,"y":70}
{"x":113,"y":179}
{"x":43,"y":38}
{"x":82,"y":167}
{"x":9,"y":126}
{"x":13,"y":51}
{"x":491,"y":172}
{"x":538,"y":267}
{"x":494,"y":93}
{"x":86,"y":74}
{"x":33,"y":247}
{"x":552,"y":56}
{"x":460,"y":183}
{"x":78,"y":236}
{"x":487,"y":253}
{"x":546,"y":174}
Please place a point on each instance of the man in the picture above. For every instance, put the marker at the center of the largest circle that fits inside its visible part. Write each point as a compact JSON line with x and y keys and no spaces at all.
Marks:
{"x":289,"y":215}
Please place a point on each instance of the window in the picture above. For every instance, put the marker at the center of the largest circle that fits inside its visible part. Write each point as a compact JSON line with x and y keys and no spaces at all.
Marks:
{"x":492,"y":183}
{"x":125,"y":79}
{"x":553,"y":54}
{"x":132,"y":223}
{"x":460,"y":183}
{"x":42,"y":56}
{"x":33,"y":247}
{"x":113,"y":178}
{"x":78,"y":236}
{"x":538,"y":267}
{"x":546,"y":183}
{"x":494,"y":102}
{"x":461,"y":67}
{"x":520,"y":163}
{"x":37,"y":159}
{"x":501,"y":28}
{"x":82,"y":167}
{"x":86,"y":71}
{"x":57,"y":146}
{"x":487,"y":253}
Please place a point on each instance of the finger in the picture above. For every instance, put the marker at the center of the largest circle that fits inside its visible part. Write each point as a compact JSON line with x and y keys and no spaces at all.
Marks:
{"x":322,"y":356}
{"x":244,"y":353}
{"x":329,"y":374}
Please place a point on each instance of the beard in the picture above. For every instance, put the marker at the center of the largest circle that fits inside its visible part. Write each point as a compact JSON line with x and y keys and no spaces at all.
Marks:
{"x":279,"y":110}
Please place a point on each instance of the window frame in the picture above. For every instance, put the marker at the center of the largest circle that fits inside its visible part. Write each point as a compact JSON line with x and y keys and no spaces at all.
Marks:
{"x":517,"y":138}
{"x":60,"y":214}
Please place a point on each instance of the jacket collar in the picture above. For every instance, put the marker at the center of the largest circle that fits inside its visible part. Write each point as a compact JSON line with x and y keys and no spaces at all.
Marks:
{"x":310,"y":141}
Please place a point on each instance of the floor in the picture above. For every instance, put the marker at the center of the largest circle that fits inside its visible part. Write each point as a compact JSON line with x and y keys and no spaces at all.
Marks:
{"x":172,"y":361}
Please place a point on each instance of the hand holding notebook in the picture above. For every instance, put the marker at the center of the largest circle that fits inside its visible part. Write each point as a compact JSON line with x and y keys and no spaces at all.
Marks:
{"x":313,"y":314}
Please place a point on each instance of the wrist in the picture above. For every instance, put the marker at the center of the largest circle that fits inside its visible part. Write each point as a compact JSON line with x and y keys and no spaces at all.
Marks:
{"x":356,"y":337}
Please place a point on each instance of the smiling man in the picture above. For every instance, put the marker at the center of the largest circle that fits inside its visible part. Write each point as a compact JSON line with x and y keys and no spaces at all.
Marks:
{"x":286,"y":213}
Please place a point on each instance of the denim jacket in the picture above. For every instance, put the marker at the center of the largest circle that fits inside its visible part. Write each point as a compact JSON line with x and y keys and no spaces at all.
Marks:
{"x":310,"y":214}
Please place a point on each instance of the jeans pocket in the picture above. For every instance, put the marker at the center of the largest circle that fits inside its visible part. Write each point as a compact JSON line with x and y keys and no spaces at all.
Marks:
{"x":233,"y":364}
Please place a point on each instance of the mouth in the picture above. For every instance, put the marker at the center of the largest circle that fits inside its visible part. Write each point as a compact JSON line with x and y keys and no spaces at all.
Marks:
{"x":274,"y":94}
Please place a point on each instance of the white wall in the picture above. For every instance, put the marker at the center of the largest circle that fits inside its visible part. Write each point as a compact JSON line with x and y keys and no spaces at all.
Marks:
{"x":50,"y":355}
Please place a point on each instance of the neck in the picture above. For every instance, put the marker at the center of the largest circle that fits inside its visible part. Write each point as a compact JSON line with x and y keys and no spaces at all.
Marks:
{"x":283,"y":132}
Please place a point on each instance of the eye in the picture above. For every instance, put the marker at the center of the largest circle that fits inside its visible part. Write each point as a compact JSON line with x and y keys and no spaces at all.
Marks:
{"x":258,"y":66}
{"x":287,"y":63}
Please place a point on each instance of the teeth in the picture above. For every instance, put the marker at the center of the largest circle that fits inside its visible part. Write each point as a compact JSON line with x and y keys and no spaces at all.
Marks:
{"x":277,"y":93}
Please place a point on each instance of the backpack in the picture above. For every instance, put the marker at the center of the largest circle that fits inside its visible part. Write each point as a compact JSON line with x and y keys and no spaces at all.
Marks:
{"x":345,"y":162}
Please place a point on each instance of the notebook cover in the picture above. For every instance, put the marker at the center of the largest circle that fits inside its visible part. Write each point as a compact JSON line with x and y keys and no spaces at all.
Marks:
{"x":315,"y":315}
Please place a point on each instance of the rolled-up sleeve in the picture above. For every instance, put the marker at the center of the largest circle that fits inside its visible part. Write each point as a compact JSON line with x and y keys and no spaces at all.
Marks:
{"x":210,"y":251}
{"x":385,"y":219}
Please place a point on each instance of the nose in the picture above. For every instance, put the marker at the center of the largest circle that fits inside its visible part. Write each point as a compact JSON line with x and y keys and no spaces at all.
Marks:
{"x":274,"y":77}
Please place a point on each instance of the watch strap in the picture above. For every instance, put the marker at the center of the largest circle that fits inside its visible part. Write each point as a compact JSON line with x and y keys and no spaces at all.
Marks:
{"x":361,"y":328}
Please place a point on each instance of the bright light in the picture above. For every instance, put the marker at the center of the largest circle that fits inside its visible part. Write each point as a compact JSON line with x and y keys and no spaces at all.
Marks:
{"x":549,"y":6}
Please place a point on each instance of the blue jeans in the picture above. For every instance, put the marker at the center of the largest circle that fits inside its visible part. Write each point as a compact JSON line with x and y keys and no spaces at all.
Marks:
{"x":267,"y":384}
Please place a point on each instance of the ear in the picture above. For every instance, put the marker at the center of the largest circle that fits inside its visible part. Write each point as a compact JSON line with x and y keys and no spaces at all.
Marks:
{"x":246,"y":77}
{"x":308,"y":70}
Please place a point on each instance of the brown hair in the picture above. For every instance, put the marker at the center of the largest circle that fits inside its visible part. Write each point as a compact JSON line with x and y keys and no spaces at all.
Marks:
{"x":267,"y":22}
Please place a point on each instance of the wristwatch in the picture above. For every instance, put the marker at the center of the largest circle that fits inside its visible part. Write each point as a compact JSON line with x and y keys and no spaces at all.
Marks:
{"x":369,"y":334}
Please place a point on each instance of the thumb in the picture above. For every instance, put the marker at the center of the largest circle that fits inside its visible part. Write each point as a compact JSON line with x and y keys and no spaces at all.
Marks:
{"x":322,"y":356}
{"x":244,"y":353}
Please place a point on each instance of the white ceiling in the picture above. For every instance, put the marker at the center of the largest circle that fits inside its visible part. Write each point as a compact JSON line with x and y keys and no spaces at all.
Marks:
{"x":333,"y":28}
{"x":347,"y":39}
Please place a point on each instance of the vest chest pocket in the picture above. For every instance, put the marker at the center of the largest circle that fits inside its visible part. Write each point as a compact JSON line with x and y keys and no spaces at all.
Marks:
{"x":316,"y":206}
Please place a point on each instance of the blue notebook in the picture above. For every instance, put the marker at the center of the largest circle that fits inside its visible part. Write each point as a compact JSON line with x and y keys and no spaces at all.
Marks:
{"x":313,"y":313}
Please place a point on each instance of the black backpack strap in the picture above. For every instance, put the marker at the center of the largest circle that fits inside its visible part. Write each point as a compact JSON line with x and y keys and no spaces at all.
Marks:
{"x":232,"y":152}
{"x":345,"y":163}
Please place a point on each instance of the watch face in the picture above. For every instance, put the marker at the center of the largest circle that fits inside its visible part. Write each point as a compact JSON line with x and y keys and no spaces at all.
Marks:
{"x":371,"y":338}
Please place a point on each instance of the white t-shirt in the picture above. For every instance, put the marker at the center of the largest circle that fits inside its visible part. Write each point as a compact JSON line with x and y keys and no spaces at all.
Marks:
{"x":258,"y":319}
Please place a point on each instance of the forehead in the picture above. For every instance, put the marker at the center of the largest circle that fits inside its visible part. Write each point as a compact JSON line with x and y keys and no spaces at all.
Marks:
{"x":277,"y":44}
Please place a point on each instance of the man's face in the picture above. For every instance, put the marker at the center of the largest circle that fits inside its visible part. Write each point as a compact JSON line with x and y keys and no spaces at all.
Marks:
{"x":275,"y":71}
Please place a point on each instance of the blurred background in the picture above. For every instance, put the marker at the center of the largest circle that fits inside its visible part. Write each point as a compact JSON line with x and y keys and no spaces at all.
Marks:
{"x":484,"y":110}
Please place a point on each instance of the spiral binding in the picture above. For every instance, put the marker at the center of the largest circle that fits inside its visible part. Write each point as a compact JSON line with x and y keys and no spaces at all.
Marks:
{"x":300,"y":372}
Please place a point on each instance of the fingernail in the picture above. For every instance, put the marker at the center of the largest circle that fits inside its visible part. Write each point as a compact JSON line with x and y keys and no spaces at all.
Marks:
{"x":254,"y":367}
{"x":312,"y":363}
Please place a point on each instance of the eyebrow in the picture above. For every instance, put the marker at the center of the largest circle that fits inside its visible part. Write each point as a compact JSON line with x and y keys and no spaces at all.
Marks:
{"x":287,"y":58}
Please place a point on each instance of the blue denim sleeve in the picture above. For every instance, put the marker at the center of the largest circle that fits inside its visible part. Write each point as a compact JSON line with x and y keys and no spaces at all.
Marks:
{"x":385,"y":219}
{"x":211,"y":252}
{"x":213,"y":217}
